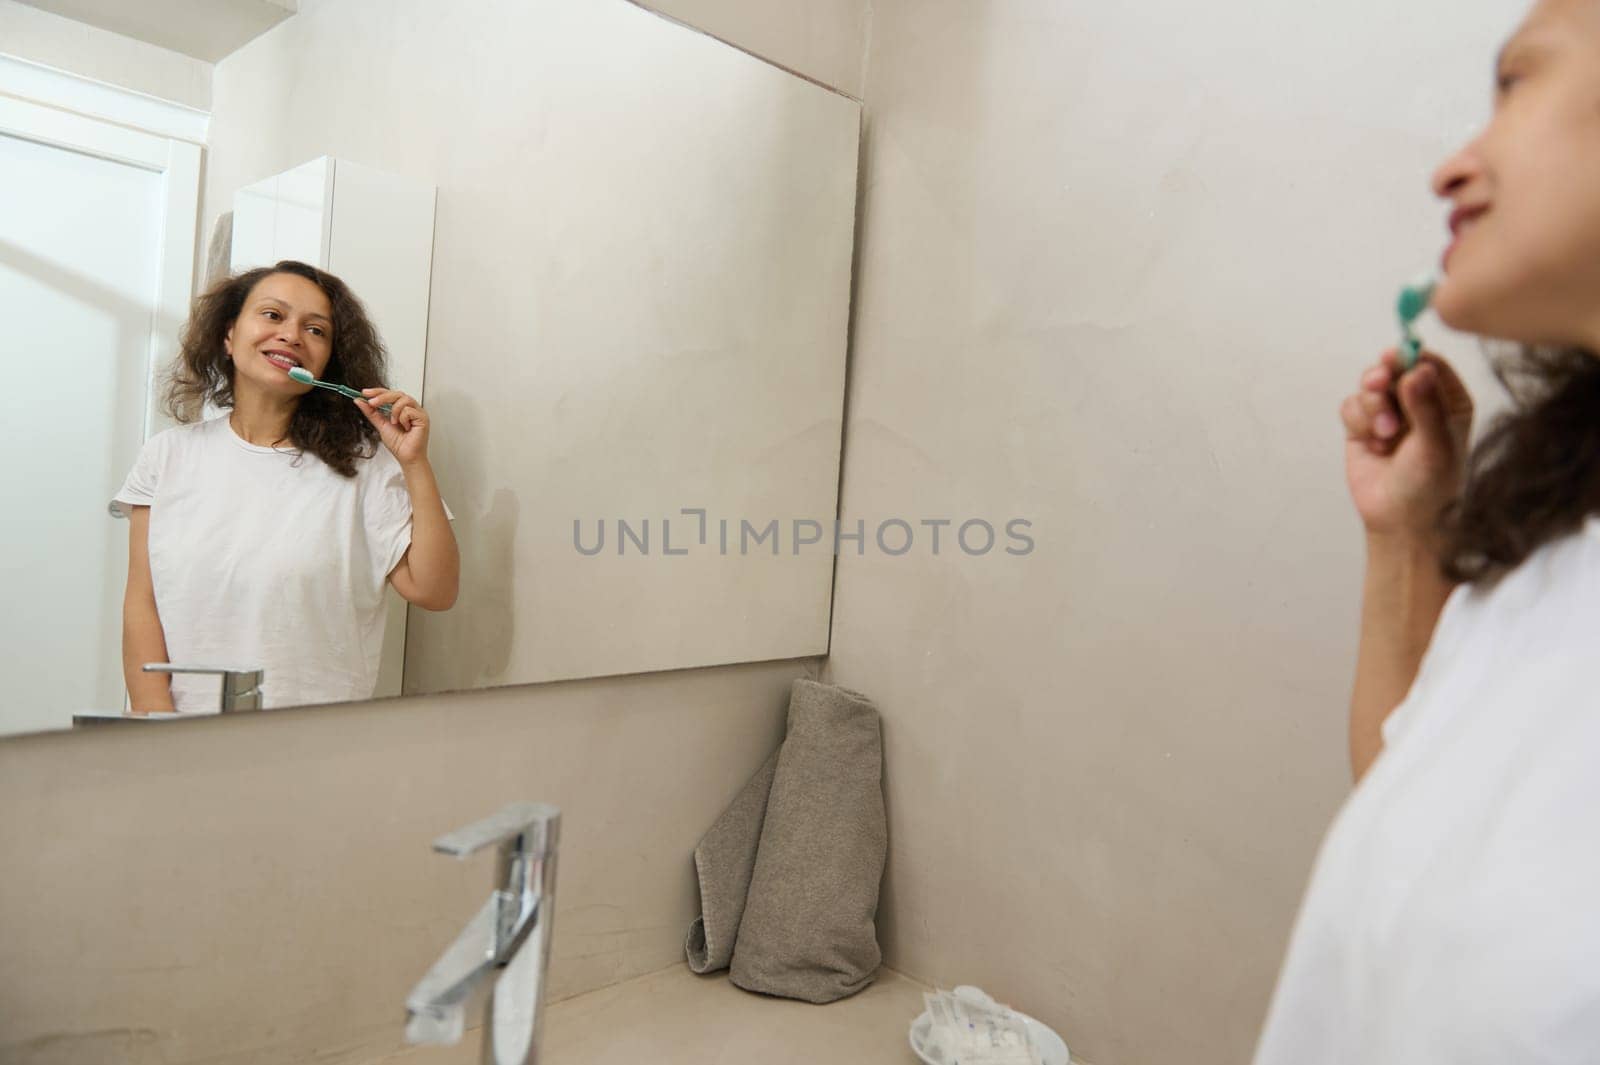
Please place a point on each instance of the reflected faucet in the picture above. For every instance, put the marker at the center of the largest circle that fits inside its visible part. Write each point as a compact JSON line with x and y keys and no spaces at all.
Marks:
{"x":511,"y":933}
{"x":241,"y":688}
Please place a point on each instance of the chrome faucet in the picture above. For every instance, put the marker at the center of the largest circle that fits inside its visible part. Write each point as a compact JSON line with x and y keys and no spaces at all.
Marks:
{"x":511,"y":932}
{"x":241,"y":688}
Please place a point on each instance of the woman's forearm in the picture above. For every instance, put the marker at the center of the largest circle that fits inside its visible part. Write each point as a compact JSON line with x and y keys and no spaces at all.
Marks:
{"x":143,"y":641}
{"x":1402,"y":598}
{"x":433,"y":560}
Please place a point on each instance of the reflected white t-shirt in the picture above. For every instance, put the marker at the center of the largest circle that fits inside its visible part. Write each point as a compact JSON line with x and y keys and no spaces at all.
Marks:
{"x":266,"y":558}
{"x":1453,"y":916}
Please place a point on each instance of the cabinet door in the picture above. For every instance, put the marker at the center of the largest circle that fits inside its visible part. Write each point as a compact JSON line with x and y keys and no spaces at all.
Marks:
{"x":381,"y":243}
{"x":286,"y":216}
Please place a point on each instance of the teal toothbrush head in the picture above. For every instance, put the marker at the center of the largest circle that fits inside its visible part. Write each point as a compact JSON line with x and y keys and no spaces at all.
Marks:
{"x":1414,"y":299}
{"x":305,"y":377}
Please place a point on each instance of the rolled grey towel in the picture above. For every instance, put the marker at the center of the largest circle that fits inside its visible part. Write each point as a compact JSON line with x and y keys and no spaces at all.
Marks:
{"x":723,"y":863}
{"x":809,"y":925}
{"x":219,"y":253}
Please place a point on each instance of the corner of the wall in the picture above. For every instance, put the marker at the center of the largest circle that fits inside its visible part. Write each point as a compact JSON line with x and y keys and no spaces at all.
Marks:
{"x":867,"y":16}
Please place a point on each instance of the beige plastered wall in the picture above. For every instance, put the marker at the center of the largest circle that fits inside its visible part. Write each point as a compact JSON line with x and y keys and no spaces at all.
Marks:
{"x":261,"y":888}
{"x":1119,"y":265}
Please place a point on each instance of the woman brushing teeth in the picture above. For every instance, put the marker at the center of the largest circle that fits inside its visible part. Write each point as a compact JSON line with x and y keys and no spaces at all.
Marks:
{"x":266,"y":537}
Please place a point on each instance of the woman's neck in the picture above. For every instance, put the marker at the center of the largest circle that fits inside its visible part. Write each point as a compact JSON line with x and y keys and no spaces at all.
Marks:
{"x":261,"y":419}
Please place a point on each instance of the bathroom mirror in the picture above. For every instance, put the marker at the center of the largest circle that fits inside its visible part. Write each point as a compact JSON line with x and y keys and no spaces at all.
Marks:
{"x":636,"y":333}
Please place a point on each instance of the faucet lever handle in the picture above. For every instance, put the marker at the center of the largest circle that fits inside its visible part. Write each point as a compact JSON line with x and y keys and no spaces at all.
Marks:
{"x":221,"y":671}
{"x":241,"y":687}
{"x":523,"y":828}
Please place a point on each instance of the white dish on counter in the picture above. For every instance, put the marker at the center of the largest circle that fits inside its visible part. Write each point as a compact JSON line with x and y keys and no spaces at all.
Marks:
{"x":1051,"y":1047}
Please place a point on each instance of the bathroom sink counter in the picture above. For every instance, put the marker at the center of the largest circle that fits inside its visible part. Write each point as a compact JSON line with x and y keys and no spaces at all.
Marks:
{"x":673,"y":1016}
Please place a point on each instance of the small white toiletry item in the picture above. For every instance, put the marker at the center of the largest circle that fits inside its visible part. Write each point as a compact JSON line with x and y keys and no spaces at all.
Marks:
{"x":1047,"y":1047}
{"x":970,"y":1028}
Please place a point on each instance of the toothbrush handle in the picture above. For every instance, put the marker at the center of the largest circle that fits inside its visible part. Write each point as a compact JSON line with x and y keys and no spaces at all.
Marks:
{"x":349,"y":393}
{"x":1410,"y":353}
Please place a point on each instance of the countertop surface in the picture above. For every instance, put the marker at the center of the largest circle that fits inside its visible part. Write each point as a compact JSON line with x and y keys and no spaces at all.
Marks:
{"x":674,"y":1016}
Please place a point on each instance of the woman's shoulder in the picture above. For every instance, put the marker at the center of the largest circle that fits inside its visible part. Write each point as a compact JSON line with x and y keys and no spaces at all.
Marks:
{"x":1559,"y":581}
{"x":381,"y":480}
{"x":184,"y":436}
{"x":1591,"y":527}
{"x":1585,"y":564}
{"x":1576,"y":555}
{"x":1532,"y":628}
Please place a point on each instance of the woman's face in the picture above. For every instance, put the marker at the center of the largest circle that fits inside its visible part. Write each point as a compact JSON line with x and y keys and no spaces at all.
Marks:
{"x":1525,"y":262}
{"x":286,"y":321}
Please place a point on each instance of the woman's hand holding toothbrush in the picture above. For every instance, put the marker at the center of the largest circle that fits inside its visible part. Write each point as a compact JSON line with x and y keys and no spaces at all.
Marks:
{"x":1406,"y":444}
{"x":404,"y":430}
{"x":1405,"y":451}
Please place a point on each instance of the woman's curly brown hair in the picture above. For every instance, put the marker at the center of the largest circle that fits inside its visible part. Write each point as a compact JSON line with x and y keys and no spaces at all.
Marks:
{"x":324,"y":423}
{"x":1535,"y":475}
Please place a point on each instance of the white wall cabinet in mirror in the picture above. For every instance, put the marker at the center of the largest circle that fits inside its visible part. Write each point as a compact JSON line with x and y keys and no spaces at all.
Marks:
{"x":374,"y":230}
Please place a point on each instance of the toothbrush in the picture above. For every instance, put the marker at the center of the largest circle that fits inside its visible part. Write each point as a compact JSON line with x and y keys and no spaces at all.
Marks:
{"x":1414,"y":299}
{"x":301,"y":374}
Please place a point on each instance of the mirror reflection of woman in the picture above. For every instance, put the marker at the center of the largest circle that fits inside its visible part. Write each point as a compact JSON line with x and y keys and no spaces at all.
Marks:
{"x":265,"y":537}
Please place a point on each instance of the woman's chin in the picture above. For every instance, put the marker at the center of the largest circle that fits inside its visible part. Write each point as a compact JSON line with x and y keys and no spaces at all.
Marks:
{"x":1514,"y":312}
{"x":1466,"y":310}
{"x":1451,"y":307}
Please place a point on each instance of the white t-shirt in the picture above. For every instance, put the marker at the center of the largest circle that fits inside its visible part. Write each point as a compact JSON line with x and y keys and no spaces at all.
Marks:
{"x":267,"y":559}
{"x":1453,"y":916}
